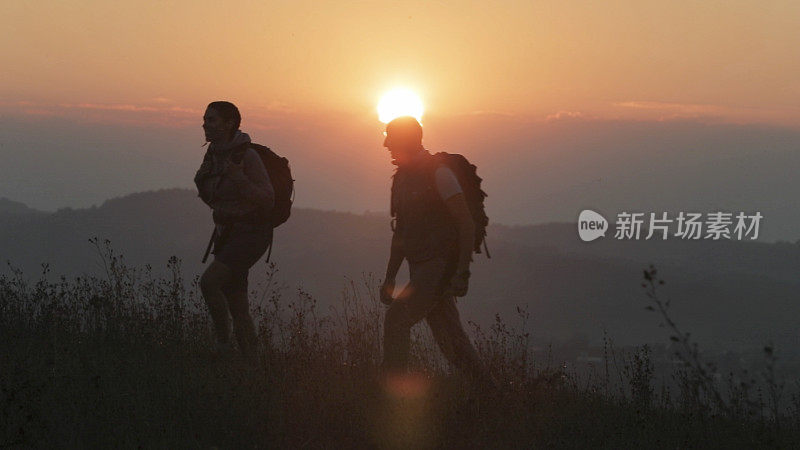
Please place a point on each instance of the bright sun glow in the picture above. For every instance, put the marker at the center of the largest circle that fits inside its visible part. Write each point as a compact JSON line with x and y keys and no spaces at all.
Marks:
{"x":399,"y":102}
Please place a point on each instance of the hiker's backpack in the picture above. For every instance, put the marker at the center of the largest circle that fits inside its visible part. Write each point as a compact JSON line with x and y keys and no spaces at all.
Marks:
{"x":280,"y":175}
{"x":470,"y":182}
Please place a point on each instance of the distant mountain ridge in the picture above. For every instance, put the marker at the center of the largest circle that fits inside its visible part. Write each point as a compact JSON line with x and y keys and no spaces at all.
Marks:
{"x":11,"y":207}
{"x":727,"y":293}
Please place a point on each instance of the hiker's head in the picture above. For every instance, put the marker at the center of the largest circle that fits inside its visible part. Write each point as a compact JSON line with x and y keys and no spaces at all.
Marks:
{"x":403,"y":138}
{"x":220,"y":121}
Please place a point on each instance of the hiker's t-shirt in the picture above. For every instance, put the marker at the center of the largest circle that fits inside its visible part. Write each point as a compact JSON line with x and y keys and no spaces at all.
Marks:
{"x":447,"y":183}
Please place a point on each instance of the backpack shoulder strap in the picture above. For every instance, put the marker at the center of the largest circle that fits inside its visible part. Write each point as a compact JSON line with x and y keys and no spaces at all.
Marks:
{"x":237,"y":154}
{"x":443,"y":159}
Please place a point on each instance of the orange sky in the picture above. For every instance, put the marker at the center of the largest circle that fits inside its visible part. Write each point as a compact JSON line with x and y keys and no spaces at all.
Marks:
{"x":732,"y":60}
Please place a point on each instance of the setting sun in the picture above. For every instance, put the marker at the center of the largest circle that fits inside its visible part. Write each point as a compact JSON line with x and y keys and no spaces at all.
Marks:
{"x":399,"y":102}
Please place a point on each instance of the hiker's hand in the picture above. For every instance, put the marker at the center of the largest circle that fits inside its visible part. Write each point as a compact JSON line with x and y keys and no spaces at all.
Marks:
{"x":459,"y":284}
{"x":387,"y":289}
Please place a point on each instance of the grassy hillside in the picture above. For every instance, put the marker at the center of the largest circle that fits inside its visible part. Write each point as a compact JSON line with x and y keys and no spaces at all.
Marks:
{"x":124,"y":360}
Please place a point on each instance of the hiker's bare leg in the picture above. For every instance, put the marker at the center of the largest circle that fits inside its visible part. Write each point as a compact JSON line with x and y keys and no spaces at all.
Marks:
{"x":212,"y":281}
{"x":242,"y":322}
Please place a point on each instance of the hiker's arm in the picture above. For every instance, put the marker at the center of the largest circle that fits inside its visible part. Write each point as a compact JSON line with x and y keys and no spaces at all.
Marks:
{"x":396,"y":257}
{"x":253,"y":180}
{"x":199,"y":178}
{"x":453,"y":195}
{"x":457,"y":206}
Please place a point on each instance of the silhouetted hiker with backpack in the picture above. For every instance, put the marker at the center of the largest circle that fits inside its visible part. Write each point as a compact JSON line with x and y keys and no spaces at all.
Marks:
{"x":248,"y":188}
{"x":439,"y":219}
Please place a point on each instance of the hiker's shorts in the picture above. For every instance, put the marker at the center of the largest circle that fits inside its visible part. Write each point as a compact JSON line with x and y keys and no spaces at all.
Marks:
{"x":239,"y":247}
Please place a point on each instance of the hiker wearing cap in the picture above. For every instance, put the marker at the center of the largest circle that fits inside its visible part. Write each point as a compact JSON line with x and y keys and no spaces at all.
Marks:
{"x":234,"y":182}
{"x":439,"y":220}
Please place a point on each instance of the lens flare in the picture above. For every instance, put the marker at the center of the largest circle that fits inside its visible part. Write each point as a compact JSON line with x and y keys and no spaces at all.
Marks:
{"x":399,"y":102}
